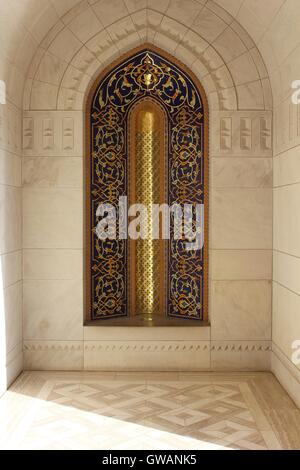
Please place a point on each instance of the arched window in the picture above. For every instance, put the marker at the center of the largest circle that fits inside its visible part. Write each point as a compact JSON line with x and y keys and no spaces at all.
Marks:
{"x":146,"y":144}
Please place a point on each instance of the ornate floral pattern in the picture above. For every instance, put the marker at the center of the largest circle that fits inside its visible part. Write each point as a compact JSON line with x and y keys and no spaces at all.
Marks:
{"x":146,"y":74}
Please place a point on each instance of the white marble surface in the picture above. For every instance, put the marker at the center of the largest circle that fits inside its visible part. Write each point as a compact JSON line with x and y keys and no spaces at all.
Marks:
{"x":287,"y":219}
{"x":231,"y":265}
{"x":241,"y":310}
{"x":286,"y":319}
{"x":10,"y":219}
{"x":53,"y":309}
{"x":52,"y":264}
{"x":286,"y":271}
{"x":241,"y":218}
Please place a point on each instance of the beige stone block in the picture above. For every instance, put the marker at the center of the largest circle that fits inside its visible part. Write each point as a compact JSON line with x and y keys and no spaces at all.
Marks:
{"x":146,"y":356}
{"x":70,"y":100}
{"x":76,"y":10}
{"x":285,"y":319}
{"x":43,"y":96}
{"x":75,"y":80}
{"x":240,"y":264}
{"x":52,"y":310}
{"x":23,"y":55}
{"x":184,"y":11}
{"x":11,"y":268}
{"x":241,"y":310}
{"x":241,"y":219}
{"x":159,"y":5}
{"x":287,"y":219}
{"x":38,"y":56}
{"x":259,"y":62}
{"x":188,"y":58}
{"x":229,"y":45}
{"x":27,"y":94}
{"x":241,"y":355}
{"x":85,"y":25}
{"x":154,"y":19}
{"x":120,"y":29}
{"x":287,"y":167}
{"x":124,"y":34}
{"x":63,"y":7}
{"x":52,"y":34}
{"x":10,"y":168}
{"x":250,"y":96}
{"x":52,"y":264}
{"x":209,"y":84}
{"x":199,"y":69}
{"x":53,"y":355}
{"x":212,"y":59}
{"x":223,"y":77}
{"x":289,"y":69}
{"x":14,"y":364}
{"x":13,"y":315}
{"x":52,"y":201}
{"x":267,"y":91}
{"x":51,"y":70}
{"x":10,"y":219}
{"x":134,"y":5}
{"x":232,"y":6}
{"x":110,"y":12}
{"x":228,"y":99}
{"x":218,"y":10}
{"x":10,"y":127}
{"x":139,"y":19}
{"x":65,"y":45}
{"x":52,"y":172}
{"x":251,"y":16}
{"x":283,"y":29}
{"x":241,"y":172}
{"x":53,"y":231}
{"x":86,"y":62}
{"x":270,"y":60}
{"x":42,"y":21}
{"x":172,"y":30}
{"x":243,"y":69}
{"x":287,"y":373}
{"x":158,"y":333}
{"x":14,"y":87}
{"x":208,"y":25}
{"x":102,"y":45}
{"x":214,"y":103}
{"x":286,"y":270}
{"x":165,"y":42}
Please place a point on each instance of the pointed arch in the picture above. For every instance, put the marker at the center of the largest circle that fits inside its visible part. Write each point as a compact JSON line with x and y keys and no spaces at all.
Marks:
{"x":146,"y":71}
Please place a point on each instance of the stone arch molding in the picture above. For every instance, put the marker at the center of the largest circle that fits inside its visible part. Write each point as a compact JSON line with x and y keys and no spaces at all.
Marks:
{"x":201,"y":34}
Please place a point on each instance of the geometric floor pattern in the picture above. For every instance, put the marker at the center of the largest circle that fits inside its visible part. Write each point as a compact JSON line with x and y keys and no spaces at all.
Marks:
{"x":51,"y":410}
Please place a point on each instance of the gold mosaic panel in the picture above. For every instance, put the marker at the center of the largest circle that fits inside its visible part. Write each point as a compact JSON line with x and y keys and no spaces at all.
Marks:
{"x":147,"y":192}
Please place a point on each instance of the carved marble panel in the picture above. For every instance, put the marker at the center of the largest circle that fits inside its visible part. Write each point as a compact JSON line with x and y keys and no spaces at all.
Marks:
{"x":241,"y":133}
{"x":52,"y":133}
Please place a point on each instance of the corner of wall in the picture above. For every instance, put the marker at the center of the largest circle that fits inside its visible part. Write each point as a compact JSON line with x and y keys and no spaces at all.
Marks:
{"x":287,"y":373}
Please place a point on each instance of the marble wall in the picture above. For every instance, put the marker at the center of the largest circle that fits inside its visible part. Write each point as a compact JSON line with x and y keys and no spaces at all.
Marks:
{"x":286,"y":239}
{"x":224,"y":57}
{"x":52,"y":239}
{"x":11,"y":356}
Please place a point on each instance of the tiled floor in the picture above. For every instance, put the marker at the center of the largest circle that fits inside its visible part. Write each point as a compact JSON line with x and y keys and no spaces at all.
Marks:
{"x":85,"y":410}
